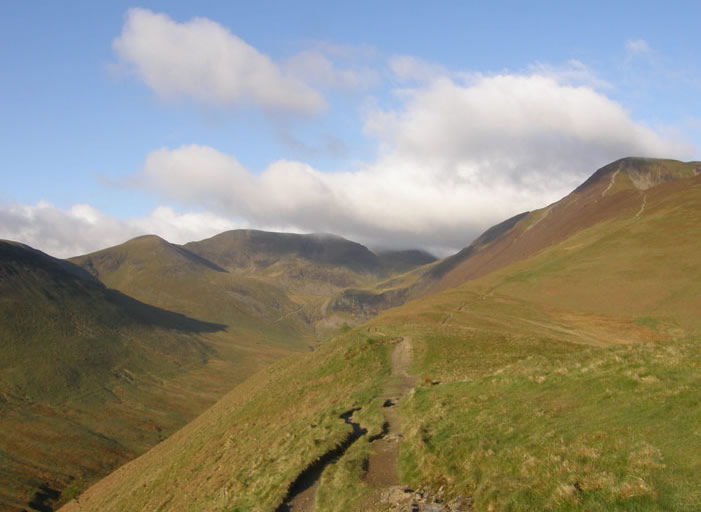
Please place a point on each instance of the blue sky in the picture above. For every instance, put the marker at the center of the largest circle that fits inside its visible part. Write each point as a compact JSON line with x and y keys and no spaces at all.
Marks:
{"x":400,"y":124}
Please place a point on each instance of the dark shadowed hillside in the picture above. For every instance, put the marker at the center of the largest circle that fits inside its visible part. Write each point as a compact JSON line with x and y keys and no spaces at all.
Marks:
{"x":249,"y":250}
{"x":70,"y":348}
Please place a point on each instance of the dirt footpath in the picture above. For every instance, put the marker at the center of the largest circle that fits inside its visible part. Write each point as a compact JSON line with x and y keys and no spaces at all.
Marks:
{"x":382,"y":464}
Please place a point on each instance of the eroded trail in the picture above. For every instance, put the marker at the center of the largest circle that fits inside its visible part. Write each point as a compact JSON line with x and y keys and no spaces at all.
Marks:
{"x":382,"y":464}
{"x":302,"y":494}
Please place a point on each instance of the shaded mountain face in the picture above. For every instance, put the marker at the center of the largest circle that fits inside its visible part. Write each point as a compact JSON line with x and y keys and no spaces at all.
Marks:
{"x":41,"y":294}
{"x":251,"y":249}
{"x":566,"y":379}
{"x":399,"y":262}
{"x":76,"y":361}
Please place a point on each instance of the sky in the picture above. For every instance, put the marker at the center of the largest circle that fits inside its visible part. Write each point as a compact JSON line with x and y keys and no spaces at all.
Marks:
{"x":399,"y":125}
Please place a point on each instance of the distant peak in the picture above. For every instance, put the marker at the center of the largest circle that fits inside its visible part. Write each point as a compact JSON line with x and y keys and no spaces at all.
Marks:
{"x":643,"y":172}
{"x":15,"y":244}
{"x":148,"y":238}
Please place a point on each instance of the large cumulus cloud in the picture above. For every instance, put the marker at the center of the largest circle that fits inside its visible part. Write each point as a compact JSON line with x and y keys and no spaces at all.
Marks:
{"x":454,"y":158}
{"x":202,"y":61}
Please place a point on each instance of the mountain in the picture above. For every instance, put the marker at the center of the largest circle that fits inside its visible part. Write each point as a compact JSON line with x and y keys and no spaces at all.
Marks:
{"x":304,"y":261}
{"x":620,"y":188}
{"x":244,"y":276}
{"x":399,"y":262}
{"x":566,"y":378}
{"x":154,"y":327}
{"x":249,"y":250}
{"x":70,"y":348}
{"x":166,"y":275}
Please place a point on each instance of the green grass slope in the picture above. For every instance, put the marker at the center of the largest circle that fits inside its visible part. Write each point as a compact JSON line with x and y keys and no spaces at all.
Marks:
{"x":567,"y":380}
{"x":527,"y":415}
{"x":245,"y":452}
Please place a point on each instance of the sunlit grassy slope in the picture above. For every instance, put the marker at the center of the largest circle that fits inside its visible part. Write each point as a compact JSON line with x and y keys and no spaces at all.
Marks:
{"x":262,"y":322}
{"x":245,"y":452}
{"x":566,"y":380}
{"x":528,"y":416}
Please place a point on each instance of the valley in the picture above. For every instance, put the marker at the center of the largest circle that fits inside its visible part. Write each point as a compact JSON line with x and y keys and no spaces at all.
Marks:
{"x":109,"y":353}
{"x":565,"y":379}
{"x":350,"y":257}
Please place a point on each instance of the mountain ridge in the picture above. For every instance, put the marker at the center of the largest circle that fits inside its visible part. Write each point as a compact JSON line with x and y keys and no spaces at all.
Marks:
{"x":599,"y":197}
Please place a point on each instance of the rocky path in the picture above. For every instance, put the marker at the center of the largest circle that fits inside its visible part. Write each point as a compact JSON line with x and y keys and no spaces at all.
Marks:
{"x":382,"y":465}
{"x":382,"y":475}
{"x":302,"y":494}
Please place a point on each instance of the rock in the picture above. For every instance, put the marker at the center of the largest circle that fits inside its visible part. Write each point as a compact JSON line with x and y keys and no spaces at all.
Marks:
{"x":396,"y":496}
{"x":432,"y":507}
{"x":460,"y":504}
{"x":399,"y":499}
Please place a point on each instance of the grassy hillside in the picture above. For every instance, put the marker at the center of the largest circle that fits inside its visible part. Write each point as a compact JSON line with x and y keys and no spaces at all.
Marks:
{"x":567,"y":380}
{"x":527,"y":415}
{"x":245,"y":452}
{"x":613,"y":190}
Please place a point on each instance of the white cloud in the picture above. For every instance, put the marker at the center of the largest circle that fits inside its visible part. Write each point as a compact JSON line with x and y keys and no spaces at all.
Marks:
{"x":515,"y":127}
{"x":82,"y":228}
{"x":456,"y":158}
{"x":203,"y":61}
{"x":637,"y":46}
